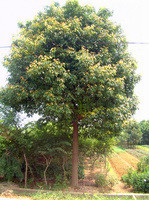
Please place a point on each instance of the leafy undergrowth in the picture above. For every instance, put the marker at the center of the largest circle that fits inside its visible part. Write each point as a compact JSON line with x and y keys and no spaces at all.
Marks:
{"x":117,"y":165}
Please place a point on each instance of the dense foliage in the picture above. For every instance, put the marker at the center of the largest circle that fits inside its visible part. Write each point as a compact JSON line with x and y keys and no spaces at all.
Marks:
{"x":139,"y":179}
{"x":70,"y":64}
{"x":42,"y":153}
{"x":29,"y":151}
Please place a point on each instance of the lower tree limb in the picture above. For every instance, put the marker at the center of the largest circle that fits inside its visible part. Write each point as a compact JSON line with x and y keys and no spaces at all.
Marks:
{"x":26,"y":169}
{"x":48,"y":162}
{"x":45,"y":177}
{"x":63,"y":166}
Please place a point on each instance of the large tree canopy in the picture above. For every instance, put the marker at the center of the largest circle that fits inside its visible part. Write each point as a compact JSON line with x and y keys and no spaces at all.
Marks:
{"x":71,"y":63}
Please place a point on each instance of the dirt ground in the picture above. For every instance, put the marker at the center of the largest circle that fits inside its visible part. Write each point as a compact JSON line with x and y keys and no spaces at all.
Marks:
{"x":88,"y":183}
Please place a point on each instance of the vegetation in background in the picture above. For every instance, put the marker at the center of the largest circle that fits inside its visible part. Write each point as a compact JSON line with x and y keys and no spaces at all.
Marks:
{"x":139,"y":153}
{"x":144,"y":126}
{"x":131,"y":134}
{"x":95,"y":149}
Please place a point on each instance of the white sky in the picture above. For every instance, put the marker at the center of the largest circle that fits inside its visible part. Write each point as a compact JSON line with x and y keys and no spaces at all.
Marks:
{"x":132,"y":15}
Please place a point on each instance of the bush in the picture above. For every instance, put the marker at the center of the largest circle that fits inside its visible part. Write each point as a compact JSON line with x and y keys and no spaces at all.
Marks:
{"x":60,"y":183}
{"x":140,"y":182}
{"x":139,"y":179}
{"x":80,"y":171}
{"x":143,"y":165}
{"x":10,"y":168}
{"x":112,"y":181}
{"x":128,"y":178}
{"x":102,"y":180}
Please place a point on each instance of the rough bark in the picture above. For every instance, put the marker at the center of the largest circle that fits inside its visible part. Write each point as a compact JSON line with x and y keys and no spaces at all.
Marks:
{"x":74,"y":182}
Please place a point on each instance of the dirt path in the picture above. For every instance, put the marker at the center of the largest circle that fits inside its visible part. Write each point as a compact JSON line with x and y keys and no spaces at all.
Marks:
{"x":88,"y":183}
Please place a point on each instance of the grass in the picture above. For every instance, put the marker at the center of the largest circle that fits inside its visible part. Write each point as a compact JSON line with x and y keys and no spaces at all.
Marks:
{"x":118,"y":149}
{"x":145,"y":147}
{"x":111,"y":170}
{"x":61,"y":196}
{"x":139,"y":153}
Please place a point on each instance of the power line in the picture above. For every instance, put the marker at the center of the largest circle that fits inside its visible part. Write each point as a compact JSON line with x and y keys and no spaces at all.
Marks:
{"x":140,"y":43}
{"x":5,"y":47}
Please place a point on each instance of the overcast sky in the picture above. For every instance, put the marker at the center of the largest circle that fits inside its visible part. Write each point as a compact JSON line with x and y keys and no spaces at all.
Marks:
{"x":132,"y":15}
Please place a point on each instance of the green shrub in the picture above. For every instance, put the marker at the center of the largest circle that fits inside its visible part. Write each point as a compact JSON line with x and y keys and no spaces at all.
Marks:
{"x":128,"y":178}
{"x":138,"y":179}
{"x":143,"y":165}
{"x":112,"y":181}
{"x":68,"y":168}
{"x":10,"y":168}
{"x":81,"y":174}
{"x":140,"y":182}
{"x":102,"y":180}
{"x":60,"y":183}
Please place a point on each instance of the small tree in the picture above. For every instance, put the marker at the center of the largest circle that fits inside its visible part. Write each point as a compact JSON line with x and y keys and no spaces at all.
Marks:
{"x":71,"y":63}
{"x":95,"y":149}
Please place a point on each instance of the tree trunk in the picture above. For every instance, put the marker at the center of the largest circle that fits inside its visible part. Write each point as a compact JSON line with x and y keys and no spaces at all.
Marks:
{"x":74,"y":181}
{"x":63,"y":166}
{"x":26,"y":169}
{"x":48,"y":162}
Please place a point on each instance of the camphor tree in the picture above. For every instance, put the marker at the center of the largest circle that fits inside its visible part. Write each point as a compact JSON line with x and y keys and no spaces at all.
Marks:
{"x":70,"y":64}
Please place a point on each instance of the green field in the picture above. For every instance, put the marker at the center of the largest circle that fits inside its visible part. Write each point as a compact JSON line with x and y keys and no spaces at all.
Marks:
{"x":122,"y":159}
{"x":144,"y":147}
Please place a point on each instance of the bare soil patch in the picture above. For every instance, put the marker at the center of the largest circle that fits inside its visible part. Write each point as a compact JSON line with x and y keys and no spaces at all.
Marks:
{"x":87,"y":185}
